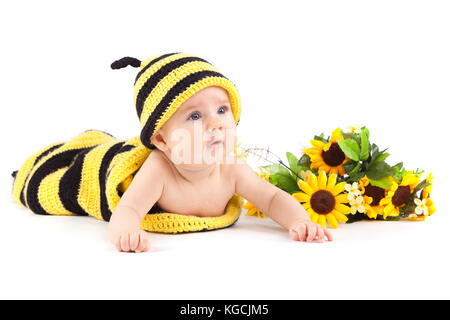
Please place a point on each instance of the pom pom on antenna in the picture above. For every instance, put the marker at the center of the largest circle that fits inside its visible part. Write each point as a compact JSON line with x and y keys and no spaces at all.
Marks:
{"x":125,"y":62}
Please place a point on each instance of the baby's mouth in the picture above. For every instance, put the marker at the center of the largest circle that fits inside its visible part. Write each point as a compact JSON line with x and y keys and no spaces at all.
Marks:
{"x":216,"y":143}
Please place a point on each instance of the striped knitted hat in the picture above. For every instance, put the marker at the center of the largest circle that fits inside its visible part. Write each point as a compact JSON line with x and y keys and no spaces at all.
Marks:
{"x":166,"y":81}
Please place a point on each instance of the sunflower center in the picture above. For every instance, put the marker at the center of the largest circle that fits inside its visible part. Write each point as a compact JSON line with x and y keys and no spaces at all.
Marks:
{"x":376,"y":193}
{"x":322,"y":202}
{"x":401,"y":195}
{"x":334,"y":156}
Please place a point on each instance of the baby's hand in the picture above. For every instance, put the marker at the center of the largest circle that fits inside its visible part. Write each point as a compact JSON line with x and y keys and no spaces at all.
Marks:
{"x":134,"y":241}
{"x":303,"y":230}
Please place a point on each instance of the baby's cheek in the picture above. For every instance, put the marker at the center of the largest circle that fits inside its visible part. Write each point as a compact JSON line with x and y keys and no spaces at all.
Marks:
{"x":230,"y":139}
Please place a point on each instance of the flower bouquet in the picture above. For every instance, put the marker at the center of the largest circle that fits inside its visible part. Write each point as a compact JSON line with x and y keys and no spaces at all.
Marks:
{"x":345,"y":178}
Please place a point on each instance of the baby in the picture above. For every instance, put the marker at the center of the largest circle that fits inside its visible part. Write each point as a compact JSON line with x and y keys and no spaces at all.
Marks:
{"x":192,"y":169}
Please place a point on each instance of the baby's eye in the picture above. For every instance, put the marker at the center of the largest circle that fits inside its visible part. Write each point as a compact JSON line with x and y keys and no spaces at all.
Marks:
{"x":194,"y":116}
{"x":222,"y":109}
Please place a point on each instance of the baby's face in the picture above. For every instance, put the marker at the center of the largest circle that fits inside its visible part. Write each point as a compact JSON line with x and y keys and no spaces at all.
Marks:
{"x":202,"y":130}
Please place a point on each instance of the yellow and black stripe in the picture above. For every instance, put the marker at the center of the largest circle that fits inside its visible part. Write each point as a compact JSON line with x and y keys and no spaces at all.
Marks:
{"x":88,"y":174}
{"x":166,"y":81}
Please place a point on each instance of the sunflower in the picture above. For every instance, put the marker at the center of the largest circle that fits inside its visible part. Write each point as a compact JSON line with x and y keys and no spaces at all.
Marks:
{"x":328,"y":156}
{"x":399,"y":194}
{"x":251,"y":209}
{"x":323,"y":199}
{"x":372,"y":196}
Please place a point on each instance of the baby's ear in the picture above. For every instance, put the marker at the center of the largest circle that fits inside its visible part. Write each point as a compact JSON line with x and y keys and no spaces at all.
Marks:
{"x":158,"y":141}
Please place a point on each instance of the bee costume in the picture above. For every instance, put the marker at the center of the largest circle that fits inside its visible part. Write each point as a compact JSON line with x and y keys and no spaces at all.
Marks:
{"x":88,"y":174}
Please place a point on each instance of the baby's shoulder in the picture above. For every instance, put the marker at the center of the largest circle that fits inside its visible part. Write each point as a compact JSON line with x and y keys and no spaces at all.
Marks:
{"x":233,"y":166}
{"x":156,"y":161}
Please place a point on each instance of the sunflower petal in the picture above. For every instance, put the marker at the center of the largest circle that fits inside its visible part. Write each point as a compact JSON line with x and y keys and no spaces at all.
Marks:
{"x":312,"y":181}
{"x":316,"y":164}
{"x":305,"y":187}
{"x":334,"y":170}
{"x":338,"y":188}
{"x":336,"y":135}
{"x":339,"y":216}
{"x":324,"y":167}
{"x":342,"y":198}
{"x":301,"y":197}
{"x":332,"y":221}
{"x":331,"y":182}
{"x":342,"y":208}
{"x":317,"y":143}
{"x":315,"y":157}
{"x":322,"y":181}
{"x":322,"y":220}
{"x":313,"y":151}
{"x":341,"y":169}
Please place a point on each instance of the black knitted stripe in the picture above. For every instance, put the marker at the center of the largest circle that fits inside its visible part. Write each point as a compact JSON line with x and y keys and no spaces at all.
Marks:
{"x":151,"y":82}
{"x":43,"y":154}
{"x":177,"y":89}
{"x":52,"y":164}
{"x":69,"y":185}
{"x":152,"y":63}
{"x":46,"y":152}
{"x":109,"y":155}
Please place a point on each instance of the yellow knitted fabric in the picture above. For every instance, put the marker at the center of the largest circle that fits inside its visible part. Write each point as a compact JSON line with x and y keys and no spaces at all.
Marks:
{"x":87,"y":176}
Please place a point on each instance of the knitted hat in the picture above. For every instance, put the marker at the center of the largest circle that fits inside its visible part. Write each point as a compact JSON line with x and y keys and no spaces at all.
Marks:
{"x":166,"y":81}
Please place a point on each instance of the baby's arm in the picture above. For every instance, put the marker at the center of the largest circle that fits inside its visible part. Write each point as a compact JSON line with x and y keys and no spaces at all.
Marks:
{"x":143,"y":192}
{"x":277,"y":204}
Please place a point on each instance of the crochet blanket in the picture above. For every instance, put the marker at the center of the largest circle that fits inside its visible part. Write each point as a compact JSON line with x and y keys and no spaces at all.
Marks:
{"x":87,"y":176}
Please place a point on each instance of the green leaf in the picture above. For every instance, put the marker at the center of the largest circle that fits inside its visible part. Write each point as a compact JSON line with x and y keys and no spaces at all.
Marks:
{"x":355,"y":177}
{"x":321,"y":138}
{"x":273,"y":180}
{"x":355,"y":169}
{"x":287,"y":183}
{"x":304,"y":161}
{"x":398,"y":165}
{"x":350,"y":148}
{"x":382,"y":157}
{"x":367,"y":131}
{"x":379,"y":170}
{"x":349,"y":166}
{"x":399,"y":171}
{"x":277,"y":169}
{"x":421,"y":185}
{"x":293,"y":163}
{"x":364,"y":143}
{"x":384,"y":183}
{"x":375,"y":153}
{"x":348,"y":135}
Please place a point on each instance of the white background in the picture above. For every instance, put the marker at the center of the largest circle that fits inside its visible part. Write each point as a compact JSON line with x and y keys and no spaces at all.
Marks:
{"x":302,"y":68}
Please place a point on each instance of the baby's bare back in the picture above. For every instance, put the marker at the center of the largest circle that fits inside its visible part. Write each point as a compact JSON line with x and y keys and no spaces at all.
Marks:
{"x":206,"y":197}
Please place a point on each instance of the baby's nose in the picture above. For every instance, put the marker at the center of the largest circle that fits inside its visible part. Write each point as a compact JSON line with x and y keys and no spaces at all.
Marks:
{"x":215,"y":123}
